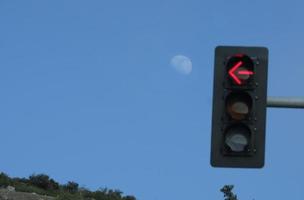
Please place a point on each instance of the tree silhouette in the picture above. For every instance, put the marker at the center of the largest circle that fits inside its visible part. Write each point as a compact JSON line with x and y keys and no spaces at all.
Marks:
{"x":228,"y":194}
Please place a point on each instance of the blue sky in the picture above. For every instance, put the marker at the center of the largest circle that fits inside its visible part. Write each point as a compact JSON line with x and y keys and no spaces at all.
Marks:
{"x":88,"y":94}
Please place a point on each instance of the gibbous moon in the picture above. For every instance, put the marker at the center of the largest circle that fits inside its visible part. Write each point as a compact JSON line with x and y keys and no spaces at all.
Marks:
{"x":182,"y":64}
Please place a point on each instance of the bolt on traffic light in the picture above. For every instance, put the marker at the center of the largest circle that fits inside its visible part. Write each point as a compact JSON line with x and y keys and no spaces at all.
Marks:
{"x":239,"y":107}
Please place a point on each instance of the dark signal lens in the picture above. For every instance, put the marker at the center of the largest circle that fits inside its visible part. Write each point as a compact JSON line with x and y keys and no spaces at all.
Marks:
{"x":238,"y":105}
{"x":237,"y":138}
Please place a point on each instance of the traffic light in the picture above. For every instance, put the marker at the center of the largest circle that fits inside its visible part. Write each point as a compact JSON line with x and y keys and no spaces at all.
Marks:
{"x":239,"y":107}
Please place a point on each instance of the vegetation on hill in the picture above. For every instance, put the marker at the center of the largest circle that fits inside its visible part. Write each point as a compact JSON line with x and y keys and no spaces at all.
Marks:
{"x":44,"y":185}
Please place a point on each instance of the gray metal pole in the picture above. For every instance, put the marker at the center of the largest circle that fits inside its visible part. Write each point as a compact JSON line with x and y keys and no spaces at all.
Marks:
{"x":285,"y":102}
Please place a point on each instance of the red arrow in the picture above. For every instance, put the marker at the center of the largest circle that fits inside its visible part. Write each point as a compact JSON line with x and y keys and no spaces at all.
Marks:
{"x":231,"y":72}
{"x":243,"y":72}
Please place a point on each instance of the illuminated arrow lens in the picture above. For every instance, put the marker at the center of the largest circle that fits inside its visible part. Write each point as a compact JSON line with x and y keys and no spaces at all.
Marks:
{"x":240,"y":69}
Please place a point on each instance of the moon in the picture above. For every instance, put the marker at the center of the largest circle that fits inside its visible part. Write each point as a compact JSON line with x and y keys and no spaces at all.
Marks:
{"x":182,"y":64}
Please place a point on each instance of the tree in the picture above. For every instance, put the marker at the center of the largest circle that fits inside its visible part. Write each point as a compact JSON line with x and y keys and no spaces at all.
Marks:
{"x":43,"y":181}
{"x":228,"y":194}
{"x":4,"y":180}
{"x":71,"y":187}
{"x":129,"y":198}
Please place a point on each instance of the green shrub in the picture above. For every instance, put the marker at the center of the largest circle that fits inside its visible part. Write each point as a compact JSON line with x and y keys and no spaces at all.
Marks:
{"x":40,"y":180}
{"x":129,"y":198}
{"x":71,"y":187}
{"x":4,"y":180}
{"x":43,"y":181}
{"x":68,"y":196}
{"x":22,"y":187}
{"x":53,"y":185}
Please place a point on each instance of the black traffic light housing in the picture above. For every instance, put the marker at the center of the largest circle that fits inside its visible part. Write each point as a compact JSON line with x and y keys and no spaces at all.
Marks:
{"x":239,"y":107}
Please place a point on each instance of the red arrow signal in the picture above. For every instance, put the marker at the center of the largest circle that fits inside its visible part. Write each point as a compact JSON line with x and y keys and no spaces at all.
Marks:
{"x":241,"y":72}
{"x":245,"y":72}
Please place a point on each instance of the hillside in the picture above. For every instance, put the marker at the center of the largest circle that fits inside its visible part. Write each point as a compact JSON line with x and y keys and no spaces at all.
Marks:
{"x":42,"y":187}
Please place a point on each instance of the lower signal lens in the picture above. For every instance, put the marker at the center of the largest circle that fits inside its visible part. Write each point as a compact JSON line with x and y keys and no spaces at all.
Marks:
{"x":237,"y":138}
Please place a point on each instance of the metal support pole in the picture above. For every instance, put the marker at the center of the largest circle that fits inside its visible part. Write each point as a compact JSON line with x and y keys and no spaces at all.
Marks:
{"x":285,"y":102}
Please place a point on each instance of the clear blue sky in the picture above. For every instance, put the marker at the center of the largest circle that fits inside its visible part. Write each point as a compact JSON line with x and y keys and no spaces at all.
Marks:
{"x":88,"y":94}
